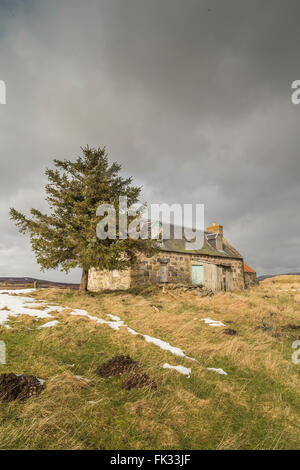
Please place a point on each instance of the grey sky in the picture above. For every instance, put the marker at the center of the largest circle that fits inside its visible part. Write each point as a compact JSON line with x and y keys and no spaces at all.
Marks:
{"x":192,"y":97}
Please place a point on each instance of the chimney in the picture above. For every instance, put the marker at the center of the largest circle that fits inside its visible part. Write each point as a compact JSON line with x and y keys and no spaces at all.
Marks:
{"x":214,"y":228}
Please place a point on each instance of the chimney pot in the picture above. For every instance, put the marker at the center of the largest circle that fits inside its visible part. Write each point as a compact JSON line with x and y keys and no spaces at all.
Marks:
{"x":214,"y":228}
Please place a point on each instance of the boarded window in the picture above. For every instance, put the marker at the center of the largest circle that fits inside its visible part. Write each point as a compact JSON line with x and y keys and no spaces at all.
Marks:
{"x":198,"y":275}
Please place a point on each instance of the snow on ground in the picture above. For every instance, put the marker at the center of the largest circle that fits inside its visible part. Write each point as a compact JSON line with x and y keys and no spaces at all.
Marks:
{"x":14,"y":305}
{"x":219,"y":371}
{"x":131,"y":331}
{"x":80,"y":377}
{"x":289,"y":290}
{"x":164,"y":345}
{"x":115,"y":324}
{"x":114,"y":317}
{"x":181,"y":369}
{"x":18,"y":291}
{"x":49,"y":323}
{"x":212,"y":322}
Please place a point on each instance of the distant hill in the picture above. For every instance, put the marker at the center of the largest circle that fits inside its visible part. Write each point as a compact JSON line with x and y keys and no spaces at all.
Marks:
{"x":267,"y":276}
{"x":21,"y":281}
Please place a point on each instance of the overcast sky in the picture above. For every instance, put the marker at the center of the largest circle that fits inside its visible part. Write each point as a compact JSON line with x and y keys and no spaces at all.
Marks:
{"x":193,"y":97}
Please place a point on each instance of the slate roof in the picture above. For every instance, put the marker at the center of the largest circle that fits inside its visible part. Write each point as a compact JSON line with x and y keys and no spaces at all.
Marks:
{"x":209,"y":246}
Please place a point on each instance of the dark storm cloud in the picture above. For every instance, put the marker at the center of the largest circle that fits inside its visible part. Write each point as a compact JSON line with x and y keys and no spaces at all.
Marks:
{"x":192,"y":97}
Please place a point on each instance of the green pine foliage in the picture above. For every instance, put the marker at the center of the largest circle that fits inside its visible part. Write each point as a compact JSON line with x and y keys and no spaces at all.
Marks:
{"x":66,"y":237}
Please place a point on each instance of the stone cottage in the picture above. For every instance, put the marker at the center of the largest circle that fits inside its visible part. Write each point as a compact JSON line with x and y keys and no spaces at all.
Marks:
{"x":250,"y":276}
{"x":216,"y":266}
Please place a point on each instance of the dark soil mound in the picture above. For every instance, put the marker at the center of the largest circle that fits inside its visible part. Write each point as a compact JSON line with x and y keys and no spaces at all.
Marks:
{"x":139,"y":381}
{"x":117,"y":366}
{"x":230,"y":331}
{"x":19,"y":387}
{"x":294,"y":327}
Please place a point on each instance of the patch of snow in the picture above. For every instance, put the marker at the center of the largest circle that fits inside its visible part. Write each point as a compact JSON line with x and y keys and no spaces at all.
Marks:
{"x":79,"y":377}
{"x":133,"y":332}
{"x":181,"y":369}
{"x":115,"y":325}
{"x":16,"y":306}
{"x":164,"y":345}
{"x":18,"y":291}
{"x":191,"y":358}
{"x":78,"y":311}
{"x":114,"y":317}
{"x":161,"y":344}
{"x":219,"y":371}
{"x":49,"y":323}
{"x":212,"y":322}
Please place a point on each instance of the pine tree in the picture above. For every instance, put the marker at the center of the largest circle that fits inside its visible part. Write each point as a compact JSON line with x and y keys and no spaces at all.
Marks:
{"x":66,"y":237}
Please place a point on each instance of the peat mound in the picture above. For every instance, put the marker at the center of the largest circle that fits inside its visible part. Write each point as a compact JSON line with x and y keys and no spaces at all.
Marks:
{"x":18,"y":387}
{"x":117,"y":366}
{"x":230,"y":331}
{"x":139,"y":381}
{"x":294,"y":327}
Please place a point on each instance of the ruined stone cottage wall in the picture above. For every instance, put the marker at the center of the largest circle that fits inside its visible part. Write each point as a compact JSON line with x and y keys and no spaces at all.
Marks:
{"x":250,"y":279}
{"x":179,"y":268}
{"x":147,"y":271}
{"x":99,"y":280}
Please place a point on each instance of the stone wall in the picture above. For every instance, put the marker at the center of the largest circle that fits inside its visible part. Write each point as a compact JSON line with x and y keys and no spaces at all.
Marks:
{"x":99,"y":280}
{"x":149,"y":269}
{"x":178,"y":270}
{"x":250,"y":279}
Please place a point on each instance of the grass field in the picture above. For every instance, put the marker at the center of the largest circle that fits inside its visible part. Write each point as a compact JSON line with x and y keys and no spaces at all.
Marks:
{"x":255,"y":406}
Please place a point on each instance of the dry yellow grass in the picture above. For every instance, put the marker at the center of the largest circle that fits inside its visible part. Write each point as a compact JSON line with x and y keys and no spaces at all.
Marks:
{"x":255,"y":406}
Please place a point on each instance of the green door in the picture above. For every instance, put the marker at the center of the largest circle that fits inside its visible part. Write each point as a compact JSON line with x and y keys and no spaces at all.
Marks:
{"x":198,"y":275}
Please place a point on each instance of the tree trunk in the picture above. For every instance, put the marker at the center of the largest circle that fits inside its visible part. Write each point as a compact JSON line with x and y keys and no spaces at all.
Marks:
{"x":84,"y":281}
